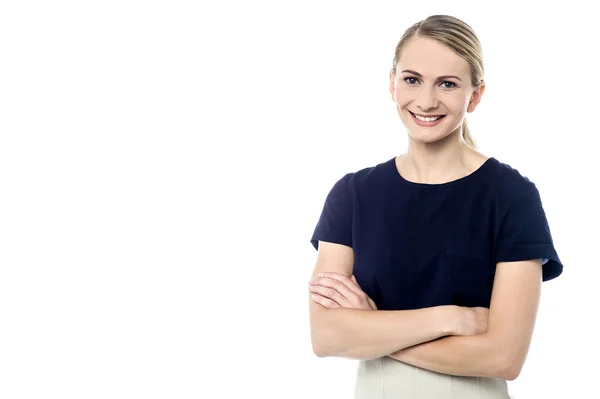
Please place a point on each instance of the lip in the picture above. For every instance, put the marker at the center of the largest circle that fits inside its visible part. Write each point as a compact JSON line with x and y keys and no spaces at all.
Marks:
{"x":426,"y":124}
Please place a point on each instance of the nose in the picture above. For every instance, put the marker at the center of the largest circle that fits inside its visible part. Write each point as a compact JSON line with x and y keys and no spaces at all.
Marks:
{"x":426,"y":99}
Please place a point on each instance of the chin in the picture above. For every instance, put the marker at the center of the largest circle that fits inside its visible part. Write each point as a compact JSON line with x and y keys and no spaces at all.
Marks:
{"x":428,"y":139}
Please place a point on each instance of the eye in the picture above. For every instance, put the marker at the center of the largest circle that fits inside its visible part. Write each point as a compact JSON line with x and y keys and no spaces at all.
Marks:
{"x":448,"y":85}
{"x":411,"y":80}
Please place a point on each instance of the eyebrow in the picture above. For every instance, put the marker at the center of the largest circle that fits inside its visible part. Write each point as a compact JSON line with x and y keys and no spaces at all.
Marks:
{"x":439,"y":78}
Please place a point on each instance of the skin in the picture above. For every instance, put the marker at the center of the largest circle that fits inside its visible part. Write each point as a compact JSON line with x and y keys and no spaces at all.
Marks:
{"x":435,"y":154}
{"x":358,"y":331}
{"x":472,"y":342}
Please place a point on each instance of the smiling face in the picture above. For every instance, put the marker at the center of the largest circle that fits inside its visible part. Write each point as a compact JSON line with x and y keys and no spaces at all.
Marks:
{"x":432,"y":90}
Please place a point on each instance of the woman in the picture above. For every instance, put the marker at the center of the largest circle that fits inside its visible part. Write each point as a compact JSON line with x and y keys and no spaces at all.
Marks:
{"x":430,"y":264}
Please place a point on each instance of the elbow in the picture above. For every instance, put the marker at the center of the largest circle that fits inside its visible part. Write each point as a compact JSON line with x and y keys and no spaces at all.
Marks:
{"x":329,"y":338}
{"x":320,"y":350}
{"x":509,"y":374}
{"x":510,"y":365}
{"x":323,"y":349}
{"x":328,"y":342}
{"x":503,"y":361}
{"x":506,"y":357}
{"x":321,"y":343}
{"x":511,"y":370}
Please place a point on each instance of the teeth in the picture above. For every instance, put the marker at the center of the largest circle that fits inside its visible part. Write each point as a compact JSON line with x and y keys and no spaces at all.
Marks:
{"x":427,"y":119}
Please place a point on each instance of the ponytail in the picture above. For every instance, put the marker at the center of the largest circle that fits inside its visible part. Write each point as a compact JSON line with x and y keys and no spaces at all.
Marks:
{"x":466,"y":134}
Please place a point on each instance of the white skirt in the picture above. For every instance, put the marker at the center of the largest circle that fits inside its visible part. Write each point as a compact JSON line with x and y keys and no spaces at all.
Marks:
{"x":387,"y":378}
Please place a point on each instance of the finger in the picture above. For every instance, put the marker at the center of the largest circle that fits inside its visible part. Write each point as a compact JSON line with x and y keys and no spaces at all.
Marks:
{"x":332,"y":294}
{"x":326,"y":302}
{"x":372,"y":303}
{"x":352,"y":285}
{"x":369,"y":299}
{"x":339,"y":286}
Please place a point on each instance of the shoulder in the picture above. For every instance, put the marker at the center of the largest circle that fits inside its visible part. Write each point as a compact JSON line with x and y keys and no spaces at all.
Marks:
{"x":509,"y":183}
{"x":368,"y":177}
{"x":363,"y":183}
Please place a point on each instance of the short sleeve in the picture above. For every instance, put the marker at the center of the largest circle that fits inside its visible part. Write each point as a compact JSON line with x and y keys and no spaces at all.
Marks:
{"x":335,"y":222}
{"x":525,"y":234}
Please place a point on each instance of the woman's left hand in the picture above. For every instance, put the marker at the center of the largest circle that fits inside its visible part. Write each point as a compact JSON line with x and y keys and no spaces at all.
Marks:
{"x":335,"y":290}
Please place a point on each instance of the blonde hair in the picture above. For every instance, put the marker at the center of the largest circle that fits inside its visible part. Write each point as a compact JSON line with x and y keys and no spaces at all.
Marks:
{"x":457,"y":35}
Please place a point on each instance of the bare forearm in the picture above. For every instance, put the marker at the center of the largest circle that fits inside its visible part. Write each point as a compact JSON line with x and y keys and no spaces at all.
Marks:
{"x":366,"y":334}
{"x":474,"y":355}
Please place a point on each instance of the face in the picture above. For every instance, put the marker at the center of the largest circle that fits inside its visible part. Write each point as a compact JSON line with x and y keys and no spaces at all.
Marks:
{"x":432,"y":90}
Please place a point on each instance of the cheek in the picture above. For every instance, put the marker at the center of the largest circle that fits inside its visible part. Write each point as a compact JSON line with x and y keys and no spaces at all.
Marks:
{"x":453,"y":105}
{"x":403,"y":98}
{"x":457,"y":103}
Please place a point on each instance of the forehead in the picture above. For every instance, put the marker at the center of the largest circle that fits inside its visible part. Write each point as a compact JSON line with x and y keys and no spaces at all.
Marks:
{"x":431,"y":59}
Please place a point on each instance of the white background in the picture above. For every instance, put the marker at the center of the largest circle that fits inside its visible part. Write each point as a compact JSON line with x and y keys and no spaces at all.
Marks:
{"x":163,"y":166}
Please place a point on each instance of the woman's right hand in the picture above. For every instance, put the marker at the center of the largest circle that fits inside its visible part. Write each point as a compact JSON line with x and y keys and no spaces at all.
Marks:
{"x":471,"y":321}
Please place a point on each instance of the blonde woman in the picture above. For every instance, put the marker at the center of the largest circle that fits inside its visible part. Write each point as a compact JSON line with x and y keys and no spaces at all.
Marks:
{"x":430,"y":264}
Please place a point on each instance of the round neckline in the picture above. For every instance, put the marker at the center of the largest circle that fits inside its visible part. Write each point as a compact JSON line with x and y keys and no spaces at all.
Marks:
{"x":468,"y":177}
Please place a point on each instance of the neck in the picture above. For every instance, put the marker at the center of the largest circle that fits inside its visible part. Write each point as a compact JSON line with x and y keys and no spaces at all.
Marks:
{"x":438,"y":162}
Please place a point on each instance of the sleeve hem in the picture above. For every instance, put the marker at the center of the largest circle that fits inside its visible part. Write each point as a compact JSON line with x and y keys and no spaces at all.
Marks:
{"x":330,"y":237}
{"x":550,"y":270}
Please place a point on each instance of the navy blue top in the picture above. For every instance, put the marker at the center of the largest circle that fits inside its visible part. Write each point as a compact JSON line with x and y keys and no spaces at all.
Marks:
{"x":419,"y":245}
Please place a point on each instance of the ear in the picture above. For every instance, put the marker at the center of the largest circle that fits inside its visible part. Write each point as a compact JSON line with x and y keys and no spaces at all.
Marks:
{"x":476,"y":96}
{"x":393,"y":86}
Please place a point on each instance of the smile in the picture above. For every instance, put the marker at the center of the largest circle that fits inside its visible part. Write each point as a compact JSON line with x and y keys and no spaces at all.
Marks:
{"x":426,"y":120}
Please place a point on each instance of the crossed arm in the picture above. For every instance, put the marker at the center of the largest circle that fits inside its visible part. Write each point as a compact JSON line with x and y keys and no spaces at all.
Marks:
{"x":499,"y":352}
{"x":502,"y":350}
